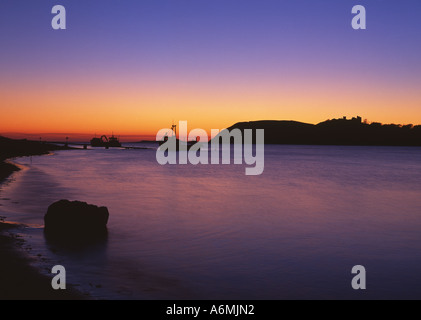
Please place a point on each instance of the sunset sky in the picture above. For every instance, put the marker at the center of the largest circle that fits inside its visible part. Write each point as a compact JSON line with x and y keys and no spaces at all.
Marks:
{"x":135,"y":66}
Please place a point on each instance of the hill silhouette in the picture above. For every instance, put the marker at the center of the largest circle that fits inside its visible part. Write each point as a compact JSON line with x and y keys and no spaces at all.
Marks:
{"x":334,"y":132}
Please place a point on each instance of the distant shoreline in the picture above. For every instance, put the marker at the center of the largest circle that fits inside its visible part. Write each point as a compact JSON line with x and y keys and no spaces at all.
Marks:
{"x":336,"y":132}
{"x":19,"y":280}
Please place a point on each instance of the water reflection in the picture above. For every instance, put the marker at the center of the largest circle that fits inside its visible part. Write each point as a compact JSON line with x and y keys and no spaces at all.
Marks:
{"x":211,"y":232}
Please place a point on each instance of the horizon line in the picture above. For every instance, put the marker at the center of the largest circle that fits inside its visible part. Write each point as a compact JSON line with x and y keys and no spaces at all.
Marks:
{"x":147,"y":137}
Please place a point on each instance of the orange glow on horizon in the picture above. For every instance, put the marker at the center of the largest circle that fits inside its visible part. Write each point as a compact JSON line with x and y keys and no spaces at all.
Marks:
{"x":143,"y":108}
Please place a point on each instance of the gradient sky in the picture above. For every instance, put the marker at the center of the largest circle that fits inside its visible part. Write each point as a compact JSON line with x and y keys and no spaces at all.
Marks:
{"x":134,"y":66}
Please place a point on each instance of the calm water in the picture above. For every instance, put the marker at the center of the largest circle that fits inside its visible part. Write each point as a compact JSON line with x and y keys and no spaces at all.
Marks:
{"x":210,"y":232}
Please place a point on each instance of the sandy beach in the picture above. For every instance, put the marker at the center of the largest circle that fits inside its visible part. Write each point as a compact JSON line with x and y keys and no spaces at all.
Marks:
{"x":18,"y":279}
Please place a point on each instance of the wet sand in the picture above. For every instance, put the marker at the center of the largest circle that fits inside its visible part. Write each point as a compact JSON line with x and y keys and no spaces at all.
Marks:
{"x":19,"y":280}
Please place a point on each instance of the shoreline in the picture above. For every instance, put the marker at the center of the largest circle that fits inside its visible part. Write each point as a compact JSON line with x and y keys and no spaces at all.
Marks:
{"x":19,"y":280}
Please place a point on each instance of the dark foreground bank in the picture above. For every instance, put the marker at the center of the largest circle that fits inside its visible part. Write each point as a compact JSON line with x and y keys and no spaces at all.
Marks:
{"x":18,"y":279}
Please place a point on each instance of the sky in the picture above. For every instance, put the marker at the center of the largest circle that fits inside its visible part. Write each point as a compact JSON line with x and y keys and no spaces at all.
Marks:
{"x":133,"y":67}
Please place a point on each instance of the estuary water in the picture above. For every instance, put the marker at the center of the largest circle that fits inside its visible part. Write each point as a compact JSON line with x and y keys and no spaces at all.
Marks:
{"x":211,"y":232}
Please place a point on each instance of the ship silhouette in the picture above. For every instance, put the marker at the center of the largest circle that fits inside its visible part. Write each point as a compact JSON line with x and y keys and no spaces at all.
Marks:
{"x":105,"y":142}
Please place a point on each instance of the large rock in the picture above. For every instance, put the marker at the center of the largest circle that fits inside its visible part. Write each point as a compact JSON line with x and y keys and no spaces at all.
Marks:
{"x":75,"y":220}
